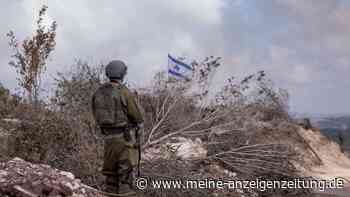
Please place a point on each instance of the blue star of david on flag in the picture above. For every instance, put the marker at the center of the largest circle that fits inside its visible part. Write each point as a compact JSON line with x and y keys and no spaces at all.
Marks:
{"x":179,"y":69}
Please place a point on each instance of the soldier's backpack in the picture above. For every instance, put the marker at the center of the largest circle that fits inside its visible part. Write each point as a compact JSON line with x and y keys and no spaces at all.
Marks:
{"x":106,"y":106}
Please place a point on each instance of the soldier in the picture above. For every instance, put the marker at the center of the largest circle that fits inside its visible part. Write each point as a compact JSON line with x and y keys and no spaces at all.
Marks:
{"x":118,"y":115}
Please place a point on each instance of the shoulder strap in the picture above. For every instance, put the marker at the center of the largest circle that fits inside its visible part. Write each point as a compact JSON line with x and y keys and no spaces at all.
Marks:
{"x":117,"y":85}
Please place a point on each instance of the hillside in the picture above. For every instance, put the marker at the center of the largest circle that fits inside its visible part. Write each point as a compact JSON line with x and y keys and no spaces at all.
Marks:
{"x":334,"y":162}
{"x":336,"y":128}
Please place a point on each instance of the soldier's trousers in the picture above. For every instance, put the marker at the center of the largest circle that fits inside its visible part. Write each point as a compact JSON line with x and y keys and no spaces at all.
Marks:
{"x":120,"y":160}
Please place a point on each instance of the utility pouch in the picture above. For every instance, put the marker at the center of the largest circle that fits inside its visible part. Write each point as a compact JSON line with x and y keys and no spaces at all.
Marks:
{"x":127,"y":135}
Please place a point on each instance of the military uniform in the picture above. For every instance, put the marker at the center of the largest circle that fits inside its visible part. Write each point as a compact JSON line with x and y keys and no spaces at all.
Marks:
{"x":120,"y":146}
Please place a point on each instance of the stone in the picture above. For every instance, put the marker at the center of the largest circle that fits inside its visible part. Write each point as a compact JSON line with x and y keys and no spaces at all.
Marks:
{"x":27,"y":179}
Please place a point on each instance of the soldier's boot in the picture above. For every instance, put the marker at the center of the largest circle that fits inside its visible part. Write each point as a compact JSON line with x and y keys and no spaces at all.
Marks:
{"x":125,"y":181}
{"x":126,"y":190}
{"x":111,"y":185}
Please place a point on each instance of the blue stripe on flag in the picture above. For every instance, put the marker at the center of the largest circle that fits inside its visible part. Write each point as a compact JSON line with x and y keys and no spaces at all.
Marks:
{"x":177,"y":74}
{"x":179,"y":63}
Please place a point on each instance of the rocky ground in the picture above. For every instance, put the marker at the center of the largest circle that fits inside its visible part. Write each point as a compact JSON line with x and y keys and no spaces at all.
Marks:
{"x":19,"y":178}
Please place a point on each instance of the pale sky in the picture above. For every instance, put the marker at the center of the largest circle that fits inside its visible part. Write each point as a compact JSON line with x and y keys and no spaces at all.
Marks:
{"x":303,"y":45}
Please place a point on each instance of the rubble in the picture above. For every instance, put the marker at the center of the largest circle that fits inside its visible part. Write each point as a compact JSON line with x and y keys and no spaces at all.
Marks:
{"x":179,"y":147}
{"x":185,"y":148}
{"x":11,"y":121}
{"x":19,"y":178}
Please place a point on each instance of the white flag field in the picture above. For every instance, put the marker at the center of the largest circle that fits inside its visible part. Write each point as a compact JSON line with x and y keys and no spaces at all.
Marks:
{"x":179,"y":69}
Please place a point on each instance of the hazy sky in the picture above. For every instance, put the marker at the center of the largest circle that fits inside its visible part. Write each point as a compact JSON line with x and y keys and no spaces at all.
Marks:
{"x":304,"y":45}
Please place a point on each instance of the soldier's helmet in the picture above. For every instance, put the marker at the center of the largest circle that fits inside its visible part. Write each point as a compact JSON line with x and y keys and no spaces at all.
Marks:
{"x":116,"y":69}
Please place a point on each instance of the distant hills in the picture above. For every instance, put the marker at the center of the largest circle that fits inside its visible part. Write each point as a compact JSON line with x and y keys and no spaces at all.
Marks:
{"x":336,"y":128}
{"x":337,"y":122}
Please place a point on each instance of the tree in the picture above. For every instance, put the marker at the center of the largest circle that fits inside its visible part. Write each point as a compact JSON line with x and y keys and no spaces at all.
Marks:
{"x":30,"y":56}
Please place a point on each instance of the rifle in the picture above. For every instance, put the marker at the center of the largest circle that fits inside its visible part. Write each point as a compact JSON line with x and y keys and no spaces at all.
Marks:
{"x":139,"y":127}
{"x":138,"y":144}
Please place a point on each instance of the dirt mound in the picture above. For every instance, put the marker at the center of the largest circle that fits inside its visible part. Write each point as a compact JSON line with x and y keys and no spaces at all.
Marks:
{"x":24,"y":179}
{"x":284,"y":132}
{"x":334,"y":162}
{"x":315,"y":155}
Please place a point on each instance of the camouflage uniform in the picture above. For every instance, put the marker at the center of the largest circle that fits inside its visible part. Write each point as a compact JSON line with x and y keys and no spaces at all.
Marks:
{"x":121,"y":153}
{"x":120,"y":146}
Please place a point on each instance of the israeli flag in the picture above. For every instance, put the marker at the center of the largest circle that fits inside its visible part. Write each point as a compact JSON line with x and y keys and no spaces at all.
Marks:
{"x":179,"y":69}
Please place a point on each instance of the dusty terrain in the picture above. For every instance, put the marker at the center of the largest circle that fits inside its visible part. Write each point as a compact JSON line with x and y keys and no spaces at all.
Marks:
{"x":335,"y":164}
